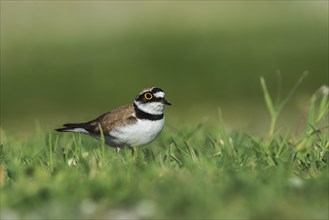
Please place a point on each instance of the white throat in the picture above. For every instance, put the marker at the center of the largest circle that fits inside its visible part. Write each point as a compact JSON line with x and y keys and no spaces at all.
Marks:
{"x":153,"y":108}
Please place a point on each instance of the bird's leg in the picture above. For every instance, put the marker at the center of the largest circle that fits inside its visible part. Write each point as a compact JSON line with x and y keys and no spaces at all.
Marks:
{"x":133,"y":151}
{"x":134,"y":155}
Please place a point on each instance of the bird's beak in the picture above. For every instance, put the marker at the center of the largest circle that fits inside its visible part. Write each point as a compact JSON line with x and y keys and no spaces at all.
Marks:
{"x":166,"y":102}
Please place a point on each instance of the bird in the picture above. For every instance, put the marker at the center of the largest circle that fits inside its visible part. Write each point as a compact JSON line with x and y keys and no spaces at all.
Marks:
{"x":131,"y":125}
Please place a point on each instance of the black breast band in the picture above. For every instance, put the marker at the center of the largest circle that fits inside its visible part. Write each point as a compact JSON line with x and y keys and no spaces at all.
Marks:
{"x":143,"y":115}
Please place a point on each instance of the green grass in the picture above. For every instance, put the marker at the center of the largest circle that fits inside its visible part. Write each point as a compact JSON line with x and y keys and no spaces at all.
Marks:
{"x":63,"y":62}
{"x":193,"y":171}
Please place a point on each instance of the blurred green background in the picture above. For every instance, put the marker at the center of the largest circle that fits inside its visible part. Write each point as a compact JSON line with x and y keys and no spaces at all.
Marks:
{"x":71,"y":61}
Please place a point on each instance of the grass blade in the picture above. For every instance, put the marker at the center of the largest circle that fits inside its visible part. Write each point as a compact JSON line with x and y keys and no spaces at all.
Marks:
{"x":267,"y":97}
{"x":291,"y":92}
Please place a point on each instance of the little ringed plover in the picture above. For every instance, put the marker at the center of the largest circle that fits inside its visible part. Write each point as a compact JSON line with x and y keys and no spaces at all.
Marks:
{"x":131,"y":125}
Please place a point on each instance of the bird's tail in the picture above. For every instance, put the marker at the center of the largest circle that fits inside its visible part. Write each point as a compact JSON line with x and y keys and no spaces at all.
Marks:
{"x":73,"y":127}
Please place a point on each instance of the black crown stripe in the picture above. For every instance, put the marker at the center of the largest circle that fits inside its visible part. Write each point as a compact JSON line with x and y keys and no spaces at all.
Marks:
{"x":155,"y":90}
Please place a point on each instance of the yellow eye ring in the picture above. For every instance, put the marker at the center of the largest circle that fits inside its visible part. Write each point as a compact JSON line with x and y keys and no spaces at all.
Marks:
{"x":148,"y":96}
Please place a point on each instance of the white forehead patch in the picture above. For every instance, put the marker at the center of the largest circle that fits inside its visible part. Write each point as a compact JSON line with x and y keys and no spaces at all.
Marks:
{"x":159,"y":94}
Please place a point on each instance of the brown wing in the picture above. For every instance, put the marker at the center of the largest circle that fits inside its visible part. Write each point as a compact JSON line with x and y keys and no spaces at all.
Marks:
{"x":117,"y":117}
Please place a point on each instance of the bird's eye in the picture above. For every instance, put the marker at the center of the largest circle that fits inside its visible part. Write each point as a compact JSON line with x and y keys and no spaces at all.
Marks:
{"x":148,"y":96}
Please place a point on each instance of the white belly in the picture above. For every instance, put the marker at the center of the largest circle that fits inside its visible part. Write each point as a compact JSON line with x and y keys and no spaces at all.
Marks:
{"x":143,"y":132}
